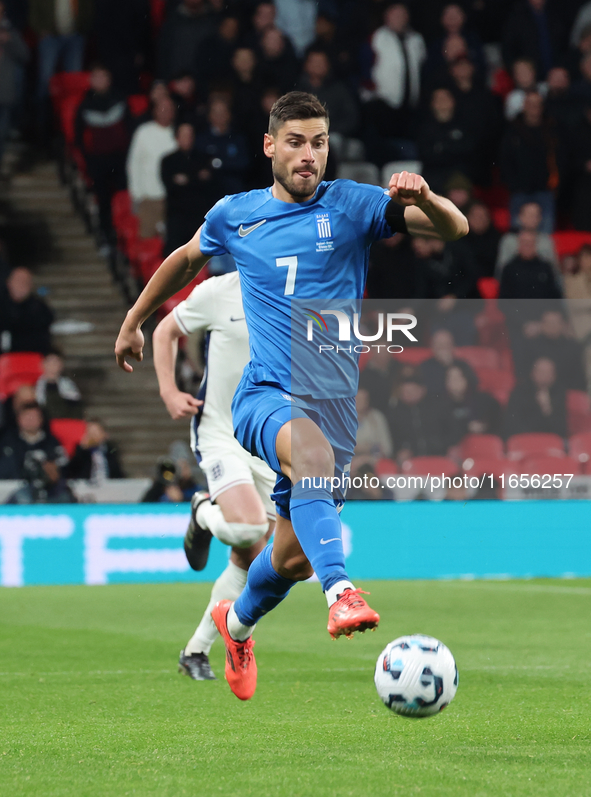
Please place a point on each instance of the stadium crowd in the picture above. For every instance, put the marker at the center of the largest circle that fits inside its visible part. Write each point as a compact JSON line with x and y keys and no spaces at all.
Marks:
{"x":489,"y":99}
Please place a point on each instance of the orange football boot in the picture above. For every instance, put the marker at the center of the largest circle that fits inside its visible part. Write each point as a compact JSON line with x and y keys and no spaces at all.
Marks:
{"x":351,"y":613}
{"x":241,"y":667}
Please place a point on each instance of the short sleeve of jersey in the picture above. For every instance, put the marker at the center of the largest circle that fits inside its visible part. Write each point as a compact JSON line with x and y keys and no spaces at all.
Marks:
{"x":198,"y":309}
{"x":366,"y":207}
{"x":214,"y":231}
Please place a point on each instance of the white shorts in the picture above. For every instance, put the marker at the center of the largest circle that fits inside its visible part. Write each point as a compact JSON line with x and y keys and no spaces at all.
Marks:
{"x":226,"y":466}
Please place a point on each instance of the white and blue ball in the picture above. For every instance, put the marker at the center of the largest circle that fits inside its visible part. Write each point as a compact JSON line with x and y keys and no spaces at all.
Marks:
{"x":416,"y":676}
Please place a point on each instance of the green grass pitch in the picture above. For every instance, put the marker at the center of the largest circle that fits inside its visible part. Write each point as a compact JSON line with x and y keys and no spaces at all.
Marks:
{"x":92,"y":705}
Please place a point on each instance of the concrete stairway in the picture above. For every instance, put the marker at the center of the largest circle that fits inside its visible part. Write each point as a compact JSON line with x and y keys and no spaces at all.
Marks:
{"x":80,"y":288}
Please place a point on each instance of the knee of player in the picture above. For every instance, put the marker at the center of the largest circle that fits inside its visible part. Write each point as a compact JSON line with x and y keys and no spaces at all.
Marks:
{"x":315,"y":460}
{"x":243,"y":535}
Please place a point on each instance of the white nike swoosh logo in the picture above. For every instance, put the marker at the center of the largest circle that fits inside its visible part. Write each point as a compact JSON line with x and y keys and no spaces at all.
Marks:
{"x":244,"y":231}
{"x":332,"y":539}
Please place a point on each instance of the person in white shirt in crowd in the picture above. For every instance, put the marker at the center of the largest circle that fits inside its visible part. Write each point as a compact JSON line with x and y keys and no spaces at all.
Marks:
{"x":524,"y":77}
{"x":582,"y":21}
{"x":150,"y":143}
{"x":297,"y":19}
{"x":57,"y":394}
{"x":373,"y":434}
{"x":238,"y":509}
{"x":529,"y":219}
{"x":399,"y":55}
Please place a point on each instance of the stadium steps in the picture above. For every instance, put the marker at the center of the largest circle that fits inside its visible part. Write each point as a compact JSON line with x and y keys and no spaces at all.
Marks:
{"x":77,"y":283}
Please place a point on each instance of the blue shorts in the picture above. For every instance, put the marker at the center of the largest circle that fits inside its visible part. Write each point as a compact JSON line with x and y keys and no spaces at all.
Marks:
{"x":260,"y":410}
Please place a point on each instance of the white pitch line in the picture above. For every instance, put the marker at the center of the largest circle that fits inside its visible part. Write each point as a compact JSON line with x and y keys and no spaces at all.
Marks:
{"x":518,"y":587}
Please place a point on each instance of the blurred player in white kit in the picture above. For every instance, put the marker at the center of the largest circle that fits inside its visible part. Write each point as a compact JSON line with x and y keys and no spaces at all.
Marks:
{"x":238,"y":509}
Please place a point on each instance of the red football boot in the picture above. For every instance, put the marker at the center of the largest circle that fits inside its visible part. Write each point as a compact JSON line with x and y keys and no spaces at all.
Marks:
{"x":351,"y":613}
{"x":241,"y":667}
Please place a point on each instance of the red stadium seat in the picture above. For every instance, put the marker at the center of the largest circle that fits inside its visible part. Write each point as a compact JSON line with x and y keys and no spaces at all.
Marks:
{"x":569,"y":242}
{"x":552,"y":465}
{"x":423,"y":466}
{"x":482,"y":466}
{"x":18,"y":368}
{"x":501,"y":219}
{"x":578,"y":409}
{"x":478,"y":356}
{"x":488,"y":287}
{"x":67,"y":117}
{"x":482,"y":445}
{"x":498,"y":383}
{"x":138,"y":104}
{"x":68,"y":84}
{"x":534,"y":444}
{"x":69,"y":431}
{"x":579,"y":447}
{"x":121,"y":206}
{"x":414,"y":356}
{"x":386,"y":467}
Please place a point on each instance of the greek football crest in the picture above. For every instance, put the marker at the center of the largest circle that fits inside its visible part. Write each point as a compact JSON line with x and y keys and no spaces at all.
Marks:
{"x":324,"y":236}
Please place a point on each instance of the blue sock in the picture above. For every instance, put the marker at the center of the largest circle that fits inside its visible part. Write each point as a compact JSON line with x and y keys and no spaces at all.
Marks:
{"x":317,"y":526}
{"x":264,"y":589}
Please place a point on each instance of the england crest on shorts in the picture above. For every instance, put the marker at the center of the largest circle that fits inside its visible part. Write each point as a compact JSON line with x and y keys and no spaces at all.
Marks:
{"x":217,"y":471}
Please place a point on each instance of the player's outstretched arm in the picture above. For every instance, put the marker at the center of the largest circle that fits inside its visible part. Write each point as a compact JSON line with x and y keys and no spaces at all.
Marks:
{"x":166,"y":343}
{"x":425,"y":212}
{"x":176,"y":271}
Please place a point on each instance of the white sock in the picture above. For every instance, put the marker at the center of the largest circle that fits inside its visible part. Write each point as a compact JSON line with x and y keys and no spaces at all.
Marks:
{"x":238,"y":630}
{"x":229,"y":585}
{"x":332,"y":593}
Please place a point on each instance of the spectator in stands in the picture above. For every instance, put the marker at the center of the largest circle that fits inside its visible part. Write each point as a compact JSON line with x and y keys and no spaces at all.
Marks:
{"x":14,"y":53}
{"x":335,"y":44}
{"x":246,"y":87}
{"x":30,"y":453}
{"x":57,"y":394}
{"x":173,"y":483}
{"x":188,"y":102}
{"x":392,"y":269}
{"x":433,"y":371}
{"x":582,"y":21}
{"x":444,"y":269}
{"x":96,"y":457}
{"x":534,"y":30}
{"x":23,"y":395}
{"x":481,"y":110}
{"x":263,"y":19}
{"x":413,"y":422}
{"x":61,"y":28}
{"x":580,"y":155}
{"x":102,"y":134}
{"x":483,"y":239}
{"x":527,"y":275}
{"x":379,"y":377}
{"x":562,"y":107}
{"x":457,"y":42}
{"x":225,"y":150}
{"x":529,"y":219}
{"x":529,"y":161}
{"x":445,"y":142}
{"x":554,"y":340}
{"x":182,"y":35}
{"x":399,"y":53}
{"x":373,"y":435}
{"x":122,"y":31}
{"x":150,"y":143}
{"x":457,"y":316}
{"x":465,"y":410}
{"x":524,"y":78}
{"x":278,"y":65}
{"x":581,"y":88}
{"x":297,"y":19}
{"x":214,"y":57}
{"x":539,"y":405}
{"x":365,"y":485}
{"x":188,"y":179}
{"x":260,"y":174}
{"x":342,"y":107}
{"x":577,"y":289}
{"x":25,"y":318}
{"x":578,"y":51}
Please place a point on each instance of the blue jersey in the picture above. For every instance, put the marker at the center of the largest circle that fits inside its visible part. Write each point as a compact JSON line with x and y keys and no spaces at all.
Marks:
{"x":294,"y":257}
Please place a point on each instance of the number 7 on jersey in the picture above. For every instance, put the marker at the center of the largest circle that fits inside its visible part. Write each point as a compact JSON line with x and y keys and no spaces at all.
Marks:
{"x":292,"y":267}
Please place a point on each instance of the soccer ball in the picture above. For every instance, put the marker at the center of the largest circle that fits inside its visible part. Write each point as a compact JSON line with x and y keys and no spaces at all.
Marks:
{"x":416,"y":676}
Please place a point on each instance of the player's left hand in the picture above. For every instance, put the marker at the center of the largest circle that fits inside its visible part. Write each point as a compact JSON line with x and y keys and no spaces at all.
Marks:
{"x":407,"y":188}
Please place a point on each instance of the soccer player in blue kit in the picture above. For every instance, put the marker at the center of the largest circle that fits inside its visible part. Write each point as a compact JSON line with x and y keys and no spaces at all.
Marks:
{"x":300,"y":239}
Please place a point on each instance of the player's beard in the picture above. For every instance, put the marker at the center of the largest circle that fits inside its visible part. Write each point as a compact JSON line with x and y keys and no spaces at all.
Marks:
{"x":281,"y":174}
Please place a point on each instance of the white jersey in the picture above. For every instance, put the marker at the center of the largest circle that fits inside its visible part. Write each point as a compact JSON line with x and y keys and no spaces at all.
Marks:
{"x":216,"y":306}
